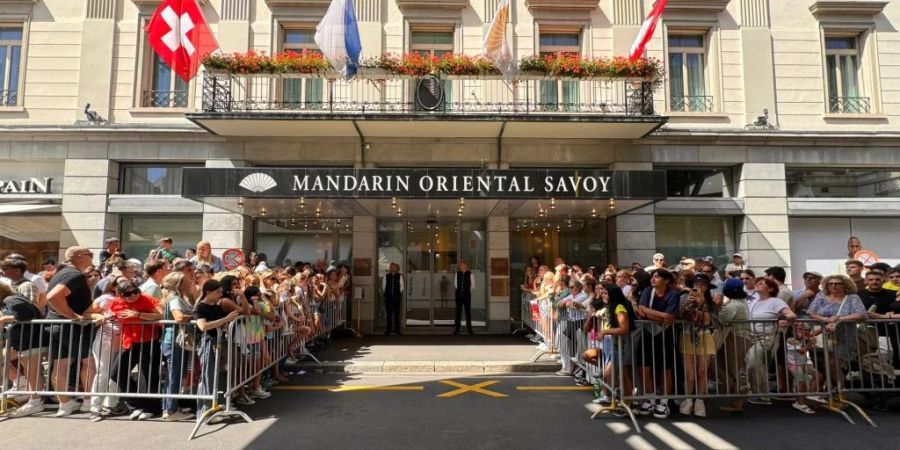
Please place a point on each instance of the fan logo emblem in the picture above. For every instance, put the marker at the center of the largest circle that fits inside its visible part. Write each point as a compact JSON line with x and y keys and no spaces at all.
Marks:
{"x":258,"y":182}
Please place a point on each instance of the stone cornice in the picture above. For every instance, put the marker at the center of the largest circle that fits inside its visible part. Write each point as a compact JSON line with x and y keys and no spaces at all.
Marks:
{"x":456,"y":5}
{"x":712,"y":7}
{"x":562,"y":5}
{"x":23,"y":2}
{"x":146,"y":2}
{"x":299,"y":3}
{"x":822,"y":8}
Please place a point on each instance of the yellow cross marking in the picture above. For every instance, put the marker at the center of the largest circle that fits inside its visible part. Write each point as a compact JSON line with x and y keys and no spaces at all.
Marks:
{"x":479,"y":388}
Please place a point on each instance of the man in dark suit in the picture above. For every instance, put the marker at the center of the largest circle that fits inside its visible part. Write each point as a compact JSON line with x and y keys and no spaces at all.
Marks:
{"x":464,"y":284}
{"x":392,"y":286}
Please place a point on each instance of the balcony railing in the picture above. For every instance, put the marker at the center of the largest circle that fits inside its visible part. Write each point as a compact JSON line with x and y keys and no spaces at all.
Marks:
{"x":165,"y":99}
{"x":454,"y":96}
{"x":9,"y":97}
{"x":849,"y":105}
{"x":692,"y":103}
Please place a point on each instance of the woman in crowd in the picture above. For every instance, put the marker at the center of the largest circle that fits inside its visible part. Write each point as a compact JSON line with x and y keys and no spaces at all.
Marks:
{"x":839,"y":305}
{"x":106,"y":349}
{"x":543,"y":298}
{"x":212,"y":312}
{"x":24,"y":349}
{"x":205,"y":256}
{"x":617,"y":321}
{"x":733,"y":340}
{"x":698,"y":343}
{"x":623,"y":281}
{"x":140,"y":346}
{"x":770,"y":315}
{"x":748,"y":277}
{"x":276,"y":326}
{"x":319,"y":289}
{"x":344,"y":281}
{"x":176,"y":301}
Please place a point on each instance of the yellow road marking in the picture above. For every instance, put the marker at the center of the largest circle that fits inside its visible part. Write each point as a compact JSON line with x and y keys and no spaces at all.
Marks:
{"x":479,"y":388}
{"x":553,"y":388}
{"x":348,"y":388}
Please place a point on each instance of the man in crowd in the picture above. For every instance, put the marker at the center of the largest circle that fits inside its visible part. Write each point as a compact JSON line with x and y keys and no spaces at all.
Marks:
{"x":40,"y":285}
{"x":14,"y":270}
{"x":659,"y":262}
{"x":779,"y":275}
{"x":853,"y":245}
{"x":111,"y":248}
{"x":854,"y":269}
{"x":804,"y":296}
{"x":154,"y":270}
{"x":874,"y":292}
{"x":69,"y":298}
{"x":165,"y":250}
{"x":570,"y":328}
{"x":736,"y":264}
{"x":119,"y":268}
{"x":464,"y":284}
{"x":893,"y":282}
{"x":709,"y":269}
{"x":49,"y":268}
{"x":392,"y":286}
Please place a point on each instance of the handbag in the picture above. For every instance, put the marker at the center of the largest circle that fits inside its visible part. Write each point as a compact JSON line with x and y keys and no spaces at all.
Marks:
{"x":186,"y":339}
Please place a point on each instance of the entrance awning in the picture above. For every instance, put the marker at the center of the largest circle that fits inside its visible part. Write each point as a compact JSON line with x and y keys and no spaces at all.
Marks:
{"x":31,"y":204}
{"x":423,"y":192}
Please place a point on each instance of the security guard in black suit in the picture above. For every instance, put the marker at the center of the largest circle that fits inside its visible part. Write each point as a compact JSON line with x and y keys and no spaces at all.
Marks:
{"x":464,"y":283}
{"x":392,"y":286}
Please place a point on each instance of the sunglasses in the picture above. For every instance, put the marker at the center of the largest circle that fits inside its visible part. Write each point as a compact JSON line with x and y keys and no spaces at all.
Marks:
{"x":834,"y":284}
{"x":131,"y":293}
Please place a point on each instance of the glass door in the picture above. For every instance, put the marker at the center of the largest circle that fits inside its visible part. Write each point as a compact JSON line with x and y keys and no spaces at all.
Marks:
{"x":418,"y":275}
{"x":444,"y":243}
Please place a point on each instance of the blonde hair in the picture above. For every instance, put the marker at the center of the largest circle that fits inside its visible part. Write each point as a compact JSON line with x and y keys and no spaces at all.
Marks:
{"x":849,"y":285}
{"x":173,"y":284}
{"x":5,"y":290}
{"x":200,"y":259}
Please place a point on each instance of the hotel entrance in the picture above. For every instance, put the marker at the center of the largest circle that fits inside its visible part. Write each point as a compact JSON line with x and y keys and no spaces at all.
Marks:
{"x":428,"y":253}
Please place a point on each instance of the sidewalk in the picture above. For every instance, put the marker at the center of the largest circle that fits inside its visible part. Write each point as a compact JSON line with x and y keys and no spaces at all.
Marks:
{"x":431,"y":354}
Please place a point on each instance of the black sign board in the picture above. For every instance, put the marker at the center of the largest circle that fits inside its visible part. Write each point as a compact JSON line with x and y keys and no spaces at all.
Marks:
{"x":423,"y":183}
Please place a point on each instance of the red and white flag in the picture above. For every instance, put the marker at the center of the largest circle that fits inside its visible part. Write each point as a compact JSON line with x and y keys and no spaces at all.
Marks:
{"x":646,"y":32}
{"x":180,"y":36}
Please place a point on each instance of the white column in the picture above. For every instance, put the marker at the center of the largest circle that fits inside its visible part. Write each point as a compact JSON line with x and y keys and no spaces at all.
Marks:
{"x":498,"y":308}
{"x":86,"y":189}
{"x":633,"y":235}
{"x":763,"y":233}
{"x":225,"y":229}
{"x":364,"y":247}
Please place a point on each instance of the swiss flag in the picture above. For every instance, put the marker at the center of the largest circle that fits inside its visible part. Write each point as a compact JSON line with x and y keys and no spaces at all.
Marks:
{"x":647,"y":29}
{"x":179,"y":35}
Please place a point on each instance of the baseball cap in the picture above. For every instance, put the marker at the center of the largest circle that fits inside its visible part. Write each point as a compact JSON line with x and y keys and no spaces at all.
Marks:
{"x":815,"y":274}
{"x":884,"y":267}
{"x":734,"y":288}
{"x":738,"y":255}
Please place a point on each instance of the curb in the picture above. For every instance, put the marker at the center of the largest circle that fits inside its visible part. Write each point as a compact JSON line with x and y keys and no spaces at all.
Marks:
{"x":420,"y":367}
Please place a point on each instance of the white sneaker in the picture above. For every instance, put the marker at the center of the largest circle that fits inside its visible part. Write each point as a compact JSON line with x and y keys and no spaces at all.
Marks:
{"x":32,"y":407}
{"x":66,"y":409}
{"x":291,"y":361}
{"x":259,"y":393}
{"x":85,"y":405}
{"x":177,"y":416}
{"x":699,"y":408}
{"x":686,"y":406}
{"x":136,"y":414}
{"x":243,"y":400}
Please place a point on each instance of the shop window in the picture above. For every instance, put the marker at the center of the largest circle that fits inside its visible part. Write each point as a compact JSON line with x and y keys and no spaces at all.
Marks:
{"x":712,"y":182}
{"x":301,"y":93}
{"x":842,"y":72}
{"x":563,"y":95}
{"x":10,"y":64}
{"x":287,"y":241}
{"x":695,"y":237}
{"x":141,"y":233}
{"x":844,"y":183}
{"x":160,"y":86}
{"x":687,"y":73}
{"x":152,"y":179}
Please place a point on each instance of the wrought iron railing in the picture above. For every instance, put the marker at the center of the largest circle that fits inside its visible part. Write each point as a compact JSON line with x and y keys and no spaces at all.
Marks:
{"x":165,"y":99}
{"x":849,"y":105}
{"x":9,"y":97}
{"x":691,"y":103}
{"x":396,"y":95}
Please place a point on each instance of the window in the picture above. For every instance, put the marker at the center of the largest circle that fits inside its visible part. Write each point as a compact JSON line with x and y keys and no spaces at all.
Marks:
{"x":552,"y":91}
{"x":304,"y":240}
{"x":696,"y":237}
{"x":435,"y":42}
{"x":141,"y":233}
{"x":10,"y":64}
{"x":157,"y":179}
{"x":687,"y":73}
{"x":301,"y":93}
{"x":842,"y":65}
{"x":160,"y":86}
{"x":713,"y":182}
{"x":839,"y":182}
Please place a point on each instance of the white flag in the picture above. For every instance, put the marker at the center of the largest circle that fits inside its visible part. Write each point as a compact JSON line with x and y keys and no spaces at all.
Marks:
{"x":496,"y":45}
{"x":337,"y":36}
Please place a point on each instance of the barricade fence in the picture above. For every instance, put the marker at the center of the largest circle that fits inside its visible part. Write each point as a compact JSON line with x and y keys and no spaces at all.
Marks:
{"x":116,"y":366}
{"x":812,"y":364}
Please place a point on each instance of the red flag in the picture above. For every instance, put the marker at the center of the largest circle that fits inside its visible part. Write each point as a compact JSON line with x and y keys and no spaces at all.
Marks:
{"x":179,"y":35}
{"x":647,"y":29}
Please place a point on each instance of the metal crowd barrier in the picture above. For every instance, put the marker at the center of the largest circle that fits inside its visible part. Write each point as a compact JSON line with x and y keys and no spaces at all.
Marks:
{"x":804,"y":361}
{"x":111,"y":363}
{"x":542,"y":318}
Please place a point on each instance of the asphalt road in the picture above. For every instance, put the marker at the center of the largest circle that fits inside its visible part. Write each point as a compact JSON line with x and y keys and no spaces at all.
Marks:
{"x":419,"y":412}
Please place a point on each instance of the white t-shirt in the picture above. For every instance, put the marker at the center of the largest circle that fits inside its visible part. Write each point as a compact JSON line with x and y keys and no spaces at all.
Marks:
{"x":768,"y":309}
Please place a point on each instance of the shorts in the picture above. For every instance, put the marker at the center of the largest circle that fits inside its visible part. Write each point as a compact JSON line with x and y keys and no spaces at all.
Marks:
{"x":705,"y":343}
{"x":254,"y":349}
{"x":70,"y":341}
{"x":610,"y":350}
{"x":656,"y":351}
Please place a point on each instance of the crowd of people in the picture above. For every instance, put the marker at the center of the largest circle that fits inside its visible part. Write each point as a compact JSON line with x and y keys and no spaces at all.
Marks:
{"x":104,"y":326}
{"x":680,"y":331}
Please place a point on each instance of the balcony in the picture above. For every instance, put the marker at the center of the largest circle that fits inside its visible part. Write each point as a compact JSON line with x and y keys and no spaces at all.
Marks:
{"x":165,"y":99}
{"x":691,"y":103}
{"x":849,"y":105}
{"x":376,"y":103}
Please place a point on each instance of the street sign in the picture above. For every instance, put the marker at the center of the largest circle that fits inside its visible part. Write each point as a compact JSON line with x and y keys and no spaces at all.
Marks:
{"x":232,"y":258}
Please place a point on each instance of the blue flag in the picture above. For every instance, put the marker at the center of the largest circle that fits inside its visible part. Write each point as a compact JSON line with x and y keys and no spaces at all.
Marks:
{"x":337,"y":36}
